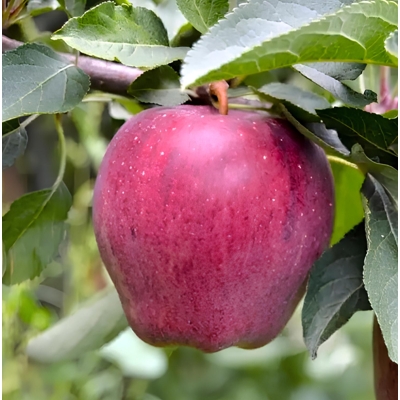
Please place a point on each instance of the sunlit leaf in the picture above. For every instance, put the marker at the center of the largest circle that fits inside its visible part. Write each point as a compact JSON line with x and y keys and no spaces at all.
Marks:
{"x":348,"y":205}
{"x":391,"y":45}
{"x":133,"y":36}
{"x":260,"y":36}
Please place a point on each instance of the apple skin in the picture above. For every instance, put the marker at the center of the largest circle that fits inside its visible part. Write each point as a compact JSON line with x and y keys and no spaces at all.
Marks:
{"x":208,"y":225}
{"x":385,"y":370}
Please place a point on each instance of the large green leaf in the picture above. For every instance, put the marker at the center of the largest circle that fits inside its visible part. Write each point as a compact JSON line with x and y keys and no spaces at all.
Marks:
{"x":14,"y":142}
{"x":91,"y":326}
{"x":158,"y":86}
{"x":335,"y":289}
{"x":263,"y":35}
{"x":133,"y":36}
{"x":36,"y":80}
{"x":33,"y":229}
{"x":381,"y":268}
{"x":203,"y":14}
{"x":336,"y":88}
{"x":348,"y":205}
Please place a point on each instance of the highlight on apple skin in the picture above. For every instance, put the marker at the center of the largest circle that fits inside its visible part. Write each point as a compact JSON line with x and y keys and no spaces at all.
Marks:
{"x":385,"y":370}
{"x":208,"y":224}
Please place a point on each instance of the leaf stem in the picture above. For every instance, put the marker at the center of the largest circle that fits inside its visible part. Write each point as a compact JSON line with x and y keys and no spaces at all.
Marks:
{"x":63,"y":151}
{"x":23,"y":124}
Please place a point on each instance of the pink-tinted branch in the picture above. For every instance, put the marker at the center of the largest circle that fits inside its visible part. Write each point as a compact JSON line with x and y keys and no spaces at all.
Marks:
{"x":104,"y":75}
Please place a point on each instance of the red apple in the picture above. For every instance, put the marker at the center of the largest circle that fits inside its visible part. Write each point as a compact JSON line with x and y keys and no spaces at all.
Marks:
{"x":385,"y":370}
{"x":209,"y":224}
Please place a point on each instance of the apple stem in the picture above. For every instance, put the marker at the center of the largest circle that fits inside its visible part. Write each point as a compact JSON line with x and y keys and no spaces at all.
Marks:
{"x":219,"y":89}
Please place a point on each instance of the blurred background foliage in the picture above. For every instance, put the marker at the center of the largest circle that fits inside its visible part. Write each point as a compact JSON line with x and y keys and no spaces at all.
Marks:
{"x":127,"y":368}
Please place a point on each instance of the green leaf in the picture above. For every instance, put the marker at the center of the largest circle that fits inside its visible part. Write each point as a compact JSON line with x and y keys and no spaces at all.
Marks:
{"x":14,"y":144}
{"x":391,"y":46}
{"x":336,"y":88}
{"x":90,"y":327}
{"x":36,"y":80}
{"x":158,"y":86}
{"x":73,"y":7}
{"x":317,"y":133}
{"x":390,"y":115}
{"x":340,"y":71}
{"x":386,"y":175}
{"x":348,"y":205}
{"x":335,"y":290}
{"x":374,"y":132}
{"x":133,"y":36}
{"x":380,"y":269}
{"x":372,"y":185}
{"x":186,"y":36}
{"x":260,"y":36}
{"x":294,"y":98}
{"x":170,"y":15}
{"x":33,"y":229}
{"x":203,"y":14}
{"x":37,"y":7}
{"x":10,"y":127}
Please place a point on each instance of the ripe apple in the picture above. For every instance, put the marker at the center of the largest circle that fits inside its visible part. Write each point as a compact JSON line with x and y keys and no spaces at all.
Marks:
{"x":385,"y":370}
{"x":209,"y":224}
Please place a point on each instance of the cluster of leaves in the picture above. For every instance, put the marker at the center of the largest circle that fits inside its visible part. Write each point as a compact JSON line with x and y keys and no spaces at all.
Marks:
{"x":326,"y":47}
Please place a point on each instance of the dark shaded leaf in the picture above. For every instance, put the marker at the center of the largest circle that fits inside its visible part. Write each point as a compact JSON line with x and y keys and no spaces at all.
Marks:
{"x":336,"y":88}
{"x":335,"y":289}
{"x":316,"y":132}
{"x":374,"y":132}
{"x":14,"y":143}
{"x":158,"y":86}
{"x":338,"y":70}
